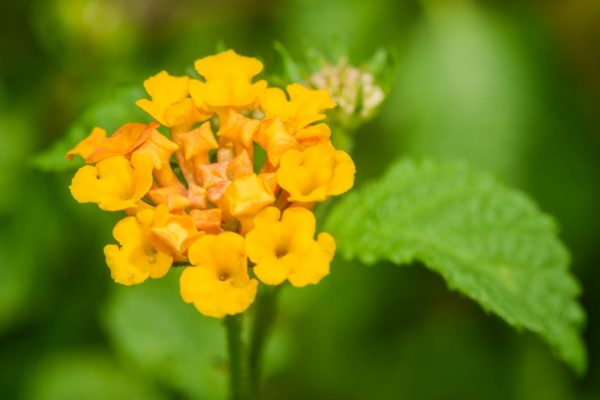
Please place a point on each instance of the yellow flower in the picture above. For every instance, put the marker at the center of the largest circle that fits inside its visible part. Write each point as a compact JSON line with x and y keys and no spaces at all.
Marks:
{"x":285,"y":249}
{"x":304,"y":107}
{"x":316,"y":173}
{"x":218,"y":284}
{"x":197,"y":143}
{"x":313,"y":134}
{"x":202,"y":197}
{"x":88,"y":145}
{"x":171,"y":233}
{"x":228,"y":81}
{"x":170,"y":104}
{"x":115,"y":183}
{"x":175,"y":197}
{"x":248,"y":195}
{"x":237,"y":129}
{"x":136,"y":259}
{"x":97,"y":147}
{"x":287,"y":122}
{"x":208,"y":220}
{"x":159,"y":149}
{"x":241,"y":165}
{"x":275,"y":139}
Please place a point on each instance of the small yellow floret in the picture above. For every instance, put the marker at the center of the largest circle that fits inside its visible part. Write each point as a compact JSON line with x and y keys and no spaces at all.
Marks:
{"x":115,"y":183}
{"x":313,"y":134}
{"x":228,"y":81}
{"x":159,"y":149}
{"x":285,"y":249}
{"x":237,"y":128}
{"x":88,"y":145}
{"x":170,"y":104}
{"x":197,"y":143}
{"x":304,"y":107}
{"x":248,"y":195}
{"x":97,"y":147}
{"x":275,"y":139}
{"x":136,"y":259}
{"x":316,"y":173}
{"x":218,"y":284}
{"x":171,"y":233}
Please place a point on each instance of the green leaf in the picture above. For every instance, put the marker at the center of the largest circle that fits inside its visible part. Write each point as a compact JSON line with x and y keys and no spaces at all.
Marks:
{"x":383,"y":65}
{"x":86,"y":374}
{"x":487,"y":241}
{"x":168,"y":339}
{"x":286,"y":70}
{"x":17,"y":144}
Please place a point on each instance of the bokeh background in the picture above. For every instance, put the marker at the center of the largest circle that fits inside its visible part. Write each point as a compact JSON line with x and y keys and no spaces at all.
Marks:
{"x":511,"y":86}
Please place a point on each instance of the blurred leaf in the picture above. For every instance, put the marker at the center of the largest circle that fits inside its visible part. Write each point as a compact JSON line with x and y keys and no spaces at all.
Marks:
{"x":16,"y":145}
{"x":167,"y":338}
{"x":108,"y":114}
{"x":15,"y":280}
{"x":326,"y":52}
{"x":384,"y":67}
{"x":221,"y":46}
{"x":465,"y":91}
{"x":67,"y":27}
{"x":85,"y":375}
{"x":286,"y":70}
{"x":340,"y":26}
{"x":487,"y":241}
{"x":30,"y":246}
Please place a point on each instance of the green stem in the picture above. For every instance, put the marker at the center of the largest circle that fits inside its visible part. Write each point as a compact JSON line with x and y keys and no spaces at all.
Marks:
{"x":238,"y":367}
{"x":266,"y":307}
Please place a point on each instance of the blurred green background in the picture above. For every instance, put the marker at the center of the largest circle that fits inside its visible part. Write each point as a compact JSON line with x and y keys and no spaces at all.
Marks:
{"x":511,"y":86}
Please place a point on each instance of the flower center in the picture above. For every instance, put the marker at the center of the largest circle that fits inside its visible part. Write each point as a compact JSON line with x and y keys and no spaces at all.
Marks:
{"x":223,"y":276}
{"x":281,"y":250}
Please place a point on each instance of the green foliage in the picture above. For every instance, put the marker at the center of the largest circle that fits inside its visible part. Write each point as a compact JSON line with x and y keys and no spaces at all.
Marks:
{"x":509,"y":89}
{"x":23,"y":270}
{"x":383,"y":64}
{"x":16,"y":145}
{"x":487,"y":241}
{"x":465,"y":91}
{"x":22,"y":207}
{"x":85,"y":375}
{"x":108,"y":114}
{"x":286,"y":70}
{"x":169,"y":339}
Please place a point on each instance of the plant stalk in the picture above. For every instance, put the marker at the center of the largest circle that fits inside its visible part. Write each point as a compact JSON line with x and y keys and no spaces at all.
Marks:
{"x":266,"y":309}
{"x":238,"y":364}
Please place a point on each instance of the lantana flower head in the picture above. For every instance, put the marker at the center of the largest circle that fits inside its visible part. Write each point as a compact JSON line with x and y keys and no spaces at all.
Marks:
{"x":198,"y":197}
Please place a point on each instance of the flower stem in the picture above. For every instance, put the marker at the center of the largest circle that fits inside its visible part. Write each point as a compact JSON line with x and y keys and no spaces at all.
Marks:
{"x":266,"y":307}
{"x":238,"y":367}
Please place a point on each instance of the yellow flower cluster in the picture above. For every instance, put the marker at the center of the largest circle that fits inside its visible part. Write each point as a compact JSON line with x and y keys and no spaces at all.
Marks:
{"x":198,"y":198}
